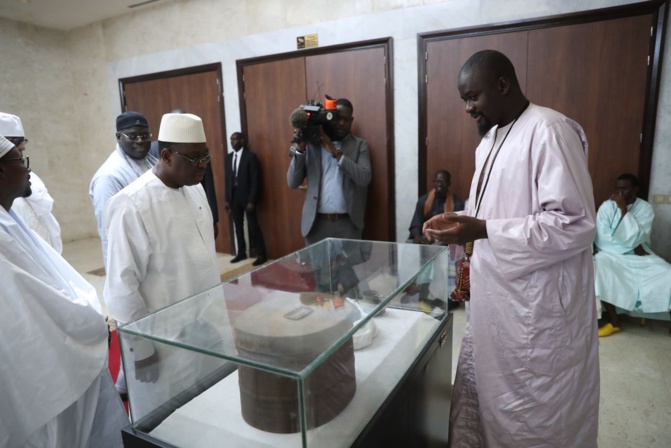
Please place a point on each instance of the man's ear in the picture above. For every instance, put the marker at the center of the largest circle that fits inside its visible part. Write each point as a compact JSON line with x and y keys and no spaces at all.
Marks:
{"x":503,"y":85}
{"x":118,"y":137}
{"x":165,"y":155}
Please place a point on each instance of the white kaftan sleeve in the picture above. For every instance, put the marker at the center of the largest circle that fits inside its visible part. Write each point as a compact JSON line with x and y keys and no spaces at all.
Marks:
{"x":618,"y":234}
{"x":102,"y":189}
{"x":562,"y":223}
{"x":128,"y":256}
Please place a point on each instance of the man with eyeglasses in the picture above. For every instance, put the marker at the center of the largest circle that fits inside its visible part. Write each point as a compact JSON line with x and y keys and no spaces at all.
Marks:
{"x":161,"y":246}
{"x":207,"y":182}
{"x":56,"y":389}
{"x":36,"y":207}
{"x":129,"y":160}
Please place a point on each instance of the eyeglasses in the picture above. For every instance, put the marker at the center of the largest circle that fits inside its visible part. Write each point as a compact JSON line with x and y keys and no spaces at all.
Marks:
{"x":143,"y":137}
{"x":25,"y":161}
{"x":194,"y":160}
{"x":17,"y":140}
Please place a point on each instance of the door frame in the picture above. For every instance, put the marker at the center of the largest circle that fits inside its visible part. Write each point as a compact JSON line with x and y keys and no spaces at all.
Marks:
{"x":385,"y":43}
{"x":658,"y":8}
{"x":214,"y":67}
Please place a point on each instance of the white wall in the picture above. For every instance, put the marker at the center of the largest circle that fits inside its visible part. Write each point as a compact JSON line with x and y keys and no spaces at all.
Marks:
{"x":194,"y":32}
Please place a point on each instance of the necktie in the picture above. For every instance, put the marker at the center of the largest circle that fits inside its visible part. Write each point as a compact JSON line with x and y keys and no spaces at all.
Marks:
{"x":235,"y":169}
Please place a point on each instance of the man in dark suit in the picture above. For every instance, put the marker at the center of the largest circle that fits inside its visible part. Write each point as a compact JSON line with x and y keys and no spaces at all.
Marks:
{"x":242,"y":193}
{"x":338,"y":172}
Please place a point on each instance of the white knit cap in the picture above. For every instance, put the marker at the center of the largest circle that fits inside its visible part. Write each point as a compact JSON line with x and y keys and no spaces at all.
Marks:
{"x":5,"y":146}
{"x":10,"y":126}
{"x":181,"y":128}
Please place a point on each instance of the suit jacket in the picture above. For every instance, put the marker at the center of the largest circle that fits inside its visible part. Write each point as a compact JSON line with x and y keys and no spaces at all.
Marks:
{"x":247,"y":190}
{"x":355,"y":166}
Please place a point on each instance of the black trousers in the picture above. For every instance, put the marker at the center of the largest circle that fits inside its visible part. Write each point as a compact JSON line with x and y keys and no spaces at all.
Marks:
{"x":255,"y":236}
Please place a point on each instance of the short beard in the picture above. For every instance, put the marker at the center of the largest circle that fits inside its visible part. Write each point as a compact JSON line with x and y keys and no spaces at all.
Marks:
{"x":484,"y":128}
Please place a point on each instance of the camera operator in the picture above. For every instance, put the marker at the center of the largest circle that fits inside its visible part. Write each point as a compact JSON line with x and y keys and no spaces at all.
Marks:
{"x":338,"y":173}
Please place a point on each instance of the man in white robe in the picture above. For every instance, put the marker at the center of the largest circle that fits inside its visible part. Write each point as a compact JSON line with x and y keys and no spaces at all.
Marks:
{"x":129,"y":161}
{"x":628,"y":274}
{"x":161,"y":251}
{"x":36,"y":209}
{"x":528,"y":370}
{"x":55,"y":388}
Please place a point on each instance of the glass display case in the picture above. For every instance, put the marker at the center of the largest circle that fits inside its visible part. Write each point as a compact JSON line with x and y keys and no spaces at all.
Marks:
{"x":302,"y":352}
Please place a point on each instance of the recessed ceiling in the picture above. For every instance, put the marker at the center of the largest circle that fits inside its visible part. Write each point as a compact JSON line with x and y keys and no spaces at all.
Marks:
{"x":68,"y":14}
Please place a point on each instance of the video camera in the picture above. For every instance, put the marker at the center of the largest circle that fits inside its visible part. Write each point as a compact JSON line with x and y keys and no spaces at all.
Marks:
{"x":310,"y":118}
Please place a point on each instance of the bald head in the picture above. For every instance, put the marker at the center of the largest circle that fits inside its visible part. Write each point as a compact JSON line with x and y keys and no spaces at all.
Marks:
{"x":490,"y":65}
{"x":489,"y":87}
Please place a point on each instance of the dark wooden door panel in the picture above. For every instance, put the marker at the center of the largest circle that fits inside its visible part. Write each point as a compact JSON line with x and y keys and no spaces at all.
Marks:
{"x":272,"y":90}
{"x":196,"y":93}
{"x":359,"y":75}
{"x":595,"y":73}
{"x":150,"y":98}
{"x":592,"y":69}
{"x":452,"y":135}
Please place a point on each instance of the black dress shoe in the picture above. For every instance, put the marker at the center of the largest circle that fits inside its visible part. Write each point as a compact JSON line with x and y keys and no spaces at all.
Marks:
{"x":239,"y":257}
{"x":451,"y":304}
{"x":260,"y":260}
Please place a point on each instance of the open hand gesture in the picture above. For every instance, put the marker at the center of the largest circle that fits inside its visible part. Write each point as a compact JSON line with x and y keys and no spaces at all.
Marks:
{"x":450,"y":228}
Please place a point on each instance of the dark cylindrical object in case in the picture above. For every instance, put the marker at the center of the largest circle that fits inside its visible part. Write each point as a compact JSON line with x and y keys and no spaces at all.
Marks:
{"x":289,"y":333}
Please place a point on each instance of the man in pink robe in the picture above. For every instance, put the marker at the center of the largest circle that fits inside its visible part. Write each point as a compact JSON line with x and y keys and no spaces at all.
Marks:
{"x":528,"y":371}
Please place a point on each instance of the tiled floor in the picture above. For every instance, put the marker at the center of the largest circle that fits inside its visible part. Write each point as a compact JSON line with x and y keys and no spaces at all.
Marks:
{"x":635,"y":365}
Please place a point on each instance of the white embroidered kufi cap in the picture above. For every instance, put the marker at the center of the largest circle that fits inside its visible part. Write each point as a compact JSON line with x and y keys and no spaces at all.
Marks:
{"x":10,"y":126}
{"x":181,"y":128}
{"x":5,"y":146}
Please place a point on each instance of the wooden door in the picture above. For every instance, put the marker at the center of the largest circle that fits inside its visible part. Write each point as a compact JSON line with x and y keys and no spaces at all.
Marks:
{"x":359,"y":75}
{"x":197,"y":93}
{"x":595,"y":72}
{"x":271,"y":91}
{"x":598,"y":76}
{"x":452,"y":134}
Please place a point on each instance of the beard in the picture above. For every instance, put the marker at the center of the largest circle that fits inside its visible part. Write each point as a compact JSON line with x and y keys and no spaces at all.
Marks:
{"x":27,"y":192}
{"x":484,"y":127}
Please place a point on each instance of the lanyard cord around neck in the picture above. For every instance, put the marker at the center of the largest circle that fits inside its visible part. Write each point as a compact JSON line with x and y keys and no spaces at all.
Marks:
{"x":478,"y":201}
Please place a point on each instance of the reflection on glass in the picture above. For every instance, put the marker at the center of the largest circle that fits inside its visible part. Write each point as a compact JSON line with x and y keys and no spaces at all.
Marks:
{"x":306,"y":348}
